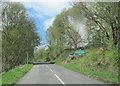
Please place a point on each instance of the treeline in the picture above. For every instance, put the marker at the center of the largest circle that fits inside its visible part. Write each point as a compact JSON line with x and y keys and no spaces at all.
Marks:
{"x":19,"y":35}
{"x":84,"y":25}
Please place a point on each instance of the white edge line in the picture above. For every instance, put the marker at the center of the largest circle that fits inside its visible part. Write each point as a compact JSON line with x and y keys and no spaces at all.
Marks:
{"x":59,"y":79}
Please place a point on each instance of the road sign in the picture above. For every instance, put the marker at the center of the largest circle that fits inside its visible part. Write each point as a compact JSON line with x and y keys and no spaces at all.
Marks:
{"x":80,"y":52}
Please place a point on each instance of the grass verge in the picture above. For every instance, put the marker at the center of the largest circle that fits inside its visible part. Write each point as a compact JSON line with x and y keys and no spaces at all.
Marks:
{"x":94,"y":65}
{"x":98,"y":75}
{"x":14,"y":75}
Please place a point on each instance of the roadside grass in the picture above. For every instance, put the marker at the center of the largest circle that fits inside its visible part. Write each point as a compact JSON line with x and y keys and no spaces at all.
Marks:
{"x":107,"y":71}
{"x":0,"y":79}
{"x":14,"y":75}
{"x":106,"y":76}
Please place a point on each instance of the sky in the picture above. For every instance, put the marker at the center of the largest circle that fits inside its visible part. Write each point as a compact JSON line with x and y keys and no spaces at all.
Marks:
{"x":44,"y":14}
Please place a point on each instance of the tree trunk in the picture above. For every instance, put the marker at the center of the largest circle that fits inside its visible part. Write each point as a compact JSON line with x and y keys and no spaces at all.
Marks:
{"x":75,"y":46}
{"x":72,"y":38}
{"x":113,"y":34}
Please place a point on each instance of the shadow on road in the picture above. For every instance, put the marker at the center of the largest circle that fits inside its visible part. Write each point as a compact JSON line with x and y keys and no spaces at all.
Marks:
{"x":38,"y":63}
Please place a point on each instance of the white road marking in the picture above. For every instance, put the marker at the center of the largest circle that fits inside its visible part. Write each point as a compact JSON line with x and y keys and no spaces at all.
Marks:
{"x":60,"y":79}
{"x":51,"y":70}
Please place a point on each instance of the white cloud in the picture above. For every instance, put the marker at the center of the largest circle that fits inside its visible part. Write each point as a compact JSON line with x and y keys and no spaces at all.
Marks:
{"x":43,"y":9}
{"x":36,"y":15}
{"x":39,"y":15}
{"x":48,"y":23}
{"x":47,"y":8}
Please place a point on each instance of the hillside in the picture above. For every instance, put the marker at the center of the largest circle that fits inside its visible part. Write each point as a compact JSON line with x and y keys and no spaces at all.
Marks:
{"x":93,"y":64}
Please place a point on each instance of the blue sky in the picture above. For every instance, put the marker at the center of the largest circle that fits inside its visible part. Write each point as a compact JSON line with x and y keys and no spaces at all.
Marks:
{"x":44,"y":14}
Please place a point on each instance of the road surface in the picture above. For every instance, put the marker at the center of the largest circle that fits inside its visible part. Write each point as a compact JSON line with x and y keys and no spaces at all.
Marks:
{"x":53,"y":74}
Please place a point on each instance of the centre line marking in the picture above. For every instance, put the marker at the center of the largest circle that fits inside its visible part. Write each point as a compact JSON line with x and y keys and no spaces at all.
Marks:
{"x":51,"y":70}
{"x":59,"y":79}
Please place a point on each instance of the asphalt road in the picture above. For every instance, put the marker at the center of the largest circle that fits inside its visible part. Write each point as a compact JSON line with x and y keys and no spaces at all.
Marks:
{"x":53,"y":74}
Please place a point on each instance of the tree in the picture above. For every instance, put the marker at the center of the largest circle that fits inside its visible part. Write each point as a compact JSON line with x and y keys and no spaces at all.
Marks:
{"x":19,"y":35}
{"x":104,"y":15}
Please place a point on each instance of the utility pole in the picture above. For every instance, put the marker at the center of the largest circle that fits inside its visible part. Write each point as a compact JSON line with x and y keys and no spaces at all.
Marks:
{"x":27,"y":57}
{"x":27,"y":48}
